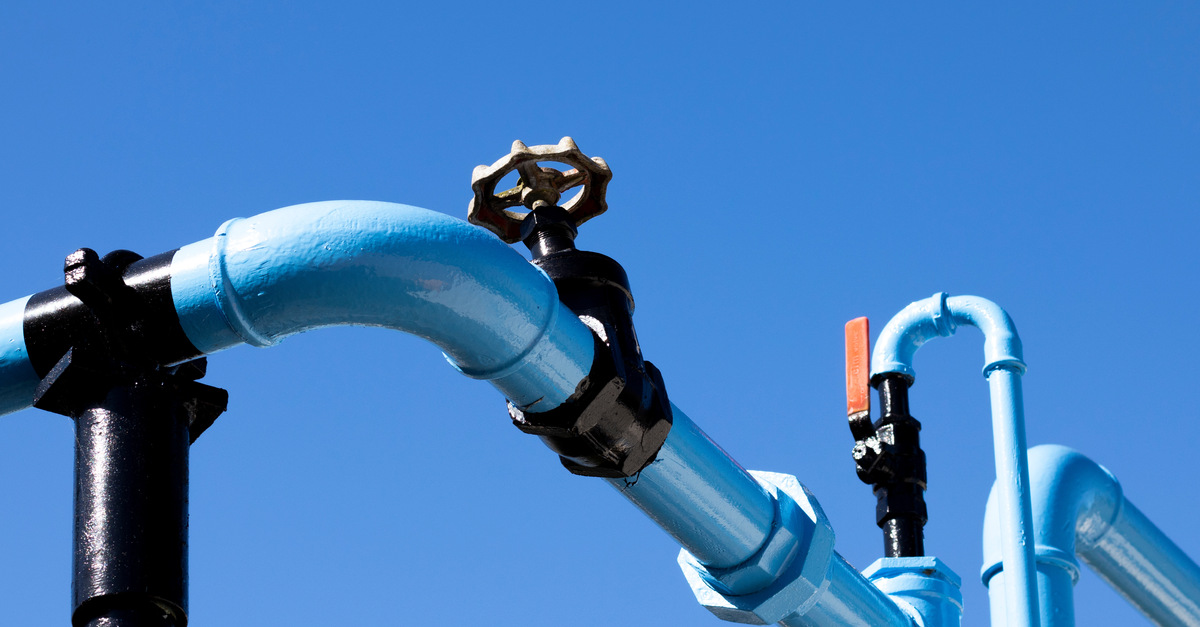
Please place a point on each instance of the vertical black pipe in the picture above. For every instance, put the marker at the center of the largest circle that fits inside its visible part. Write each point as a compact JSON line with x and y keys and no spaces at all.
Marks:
{"x":903,"y":537}
{"x":131,"y":478}
{"x":900,"y":497}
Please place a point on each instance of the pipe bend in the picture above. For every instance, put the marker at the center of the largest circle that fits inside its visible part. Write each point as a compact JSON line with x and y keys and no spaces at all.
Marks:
{"x":1001,"y":345}
{"x":940,"y":316}
{"x":282,"y":272}
{"x":260,"y":279}
{"x":1075,"y":503}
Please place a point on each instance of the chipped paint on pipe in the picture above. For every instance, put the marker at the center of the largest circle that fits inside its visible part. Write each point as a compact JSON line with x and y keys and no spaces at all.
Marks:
{"x":1081,"y":510}
{"x":940,"y":316}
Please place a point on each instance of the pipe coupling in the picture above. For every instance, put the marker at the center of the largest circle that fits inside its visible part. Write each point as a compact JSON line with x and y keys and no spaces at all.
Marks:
{"x":787,"y":576}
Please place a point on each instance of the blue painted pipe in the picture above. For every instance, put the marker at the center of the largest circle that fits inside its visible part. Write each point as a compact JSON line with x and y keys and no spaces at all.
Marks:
{"x":940,"y":316}
{"x":851,"y":600}
{"x":1080,"y":509}
{"x":924,"y":585}
{"x":17,"y":377}
{"x":496,"y":316}
{"x":702,"y":497}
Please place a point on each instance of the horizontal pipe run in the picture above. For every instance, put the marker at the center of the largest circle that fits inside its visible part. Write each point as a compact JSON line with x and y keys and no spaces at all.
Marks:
{"x":1081,"y":511}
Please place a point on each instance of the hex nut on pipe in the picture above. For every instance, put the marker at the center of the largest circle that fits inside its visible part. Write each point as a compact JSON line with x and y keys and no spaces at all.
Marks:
{"x":786,"y":576}
{"x":776,"y":553}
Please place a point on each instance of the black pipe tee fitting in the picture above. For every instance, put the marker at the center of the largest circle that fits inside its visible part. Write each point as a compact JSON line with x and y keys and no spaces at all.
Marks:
{"x":102,"y":345}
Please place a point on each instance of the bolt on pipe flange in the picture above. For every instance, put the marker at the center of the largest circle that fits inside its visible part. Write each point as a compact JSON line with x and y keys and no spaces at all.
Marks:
{"x":538,"y":184}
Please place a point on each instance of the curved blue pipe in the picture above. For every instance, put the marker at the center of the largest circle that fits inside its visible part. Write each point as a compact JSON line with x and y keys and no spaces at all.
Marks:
{"x":1080,"y":509}
{"x":496,"y":316}
{"x":940,"y":316}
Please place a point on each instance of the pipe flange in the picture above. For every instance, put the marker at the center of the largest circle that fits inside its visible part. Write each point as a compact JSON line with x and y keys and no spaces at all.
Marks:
{"x":489,"y":209}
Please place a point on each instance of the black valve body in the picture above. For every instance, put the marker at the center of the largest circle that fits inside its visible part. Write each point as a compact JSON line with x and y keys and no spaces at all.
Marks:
{"x":891,"y":460}
{"x":619,"y":416}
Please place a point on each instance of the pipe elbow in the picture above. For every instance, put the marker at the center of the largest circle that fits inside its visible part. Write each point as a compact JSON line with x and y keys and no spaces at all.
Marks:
{"x":308,"y":266}
{"x":940,"y":316}
{"x":907,"y":331}
{"x":1075,"y":503}
{"x":1002,"y":345}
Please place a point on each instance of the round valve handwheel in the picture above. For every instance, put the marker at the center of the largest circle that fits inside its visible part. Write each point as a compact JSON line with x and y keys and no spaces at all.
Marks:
{"x":490,"y":209}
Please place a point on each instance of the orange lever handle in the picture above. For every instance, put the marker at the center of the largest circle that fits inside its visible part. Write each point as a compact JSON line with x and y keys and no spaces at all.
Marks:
{"x":858,"y":368}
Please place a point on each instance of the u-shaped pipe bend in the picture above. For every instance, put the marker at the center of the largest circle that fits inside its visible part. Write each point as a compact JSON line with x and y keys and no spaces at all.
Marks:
{"x":940,"y":316}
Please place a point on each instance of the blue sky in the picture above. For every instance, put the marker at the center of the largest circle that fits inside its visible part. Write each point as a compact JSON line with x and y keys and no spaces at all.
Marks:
{"x":778,"y":170}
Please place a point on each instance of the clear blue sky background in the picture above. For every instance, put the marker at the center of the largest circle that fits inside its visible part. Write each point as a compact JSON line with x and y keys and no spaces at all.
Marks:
{"x":779,"y":169}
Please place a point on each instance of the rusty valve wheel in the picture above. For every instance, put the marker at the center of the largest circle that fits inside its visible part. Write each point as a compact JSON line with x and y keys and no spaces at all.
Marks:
{"x":538,"y":185}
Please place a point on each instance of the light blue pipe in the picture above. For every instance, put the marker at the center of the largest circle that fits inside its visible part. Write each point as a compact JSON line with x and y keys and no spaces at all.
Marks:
{"x":796,"y":579}
{"x":924,"y":587}
{"x":852,"y":601}
{"x":17,"y":377}
{"x":1080,"y":509}
{"x":496,"y":316}
{"x":940,"y":316}
{"x":702,"y":497}
{"x":260,"y":279}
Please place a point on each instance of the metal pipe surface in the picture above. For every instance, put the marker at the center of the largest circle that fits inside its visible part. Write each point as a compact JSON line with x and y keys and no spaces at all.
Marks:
{"x":924,"y":587}
{"x":1080,"y":509}
{"x":940,"y":316}
{"x":131,"y":483}
{"x":17,"y":377}
{"x":263,"y":278}
{"x":497,"y":317}
{"x":701,"y":497}
{"x":850,"y":600}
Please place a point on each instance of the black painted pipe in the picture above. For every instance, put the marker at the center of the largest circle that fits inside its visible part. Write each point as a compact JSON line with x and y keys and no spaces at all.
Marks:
{"x":131,"y":483}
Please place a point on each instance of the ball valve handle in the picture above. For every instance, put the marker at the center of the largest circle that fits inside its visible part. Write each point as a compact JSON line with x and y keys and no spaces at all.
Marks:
{"x":539,"y":186}
{"x":887,"y":453}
